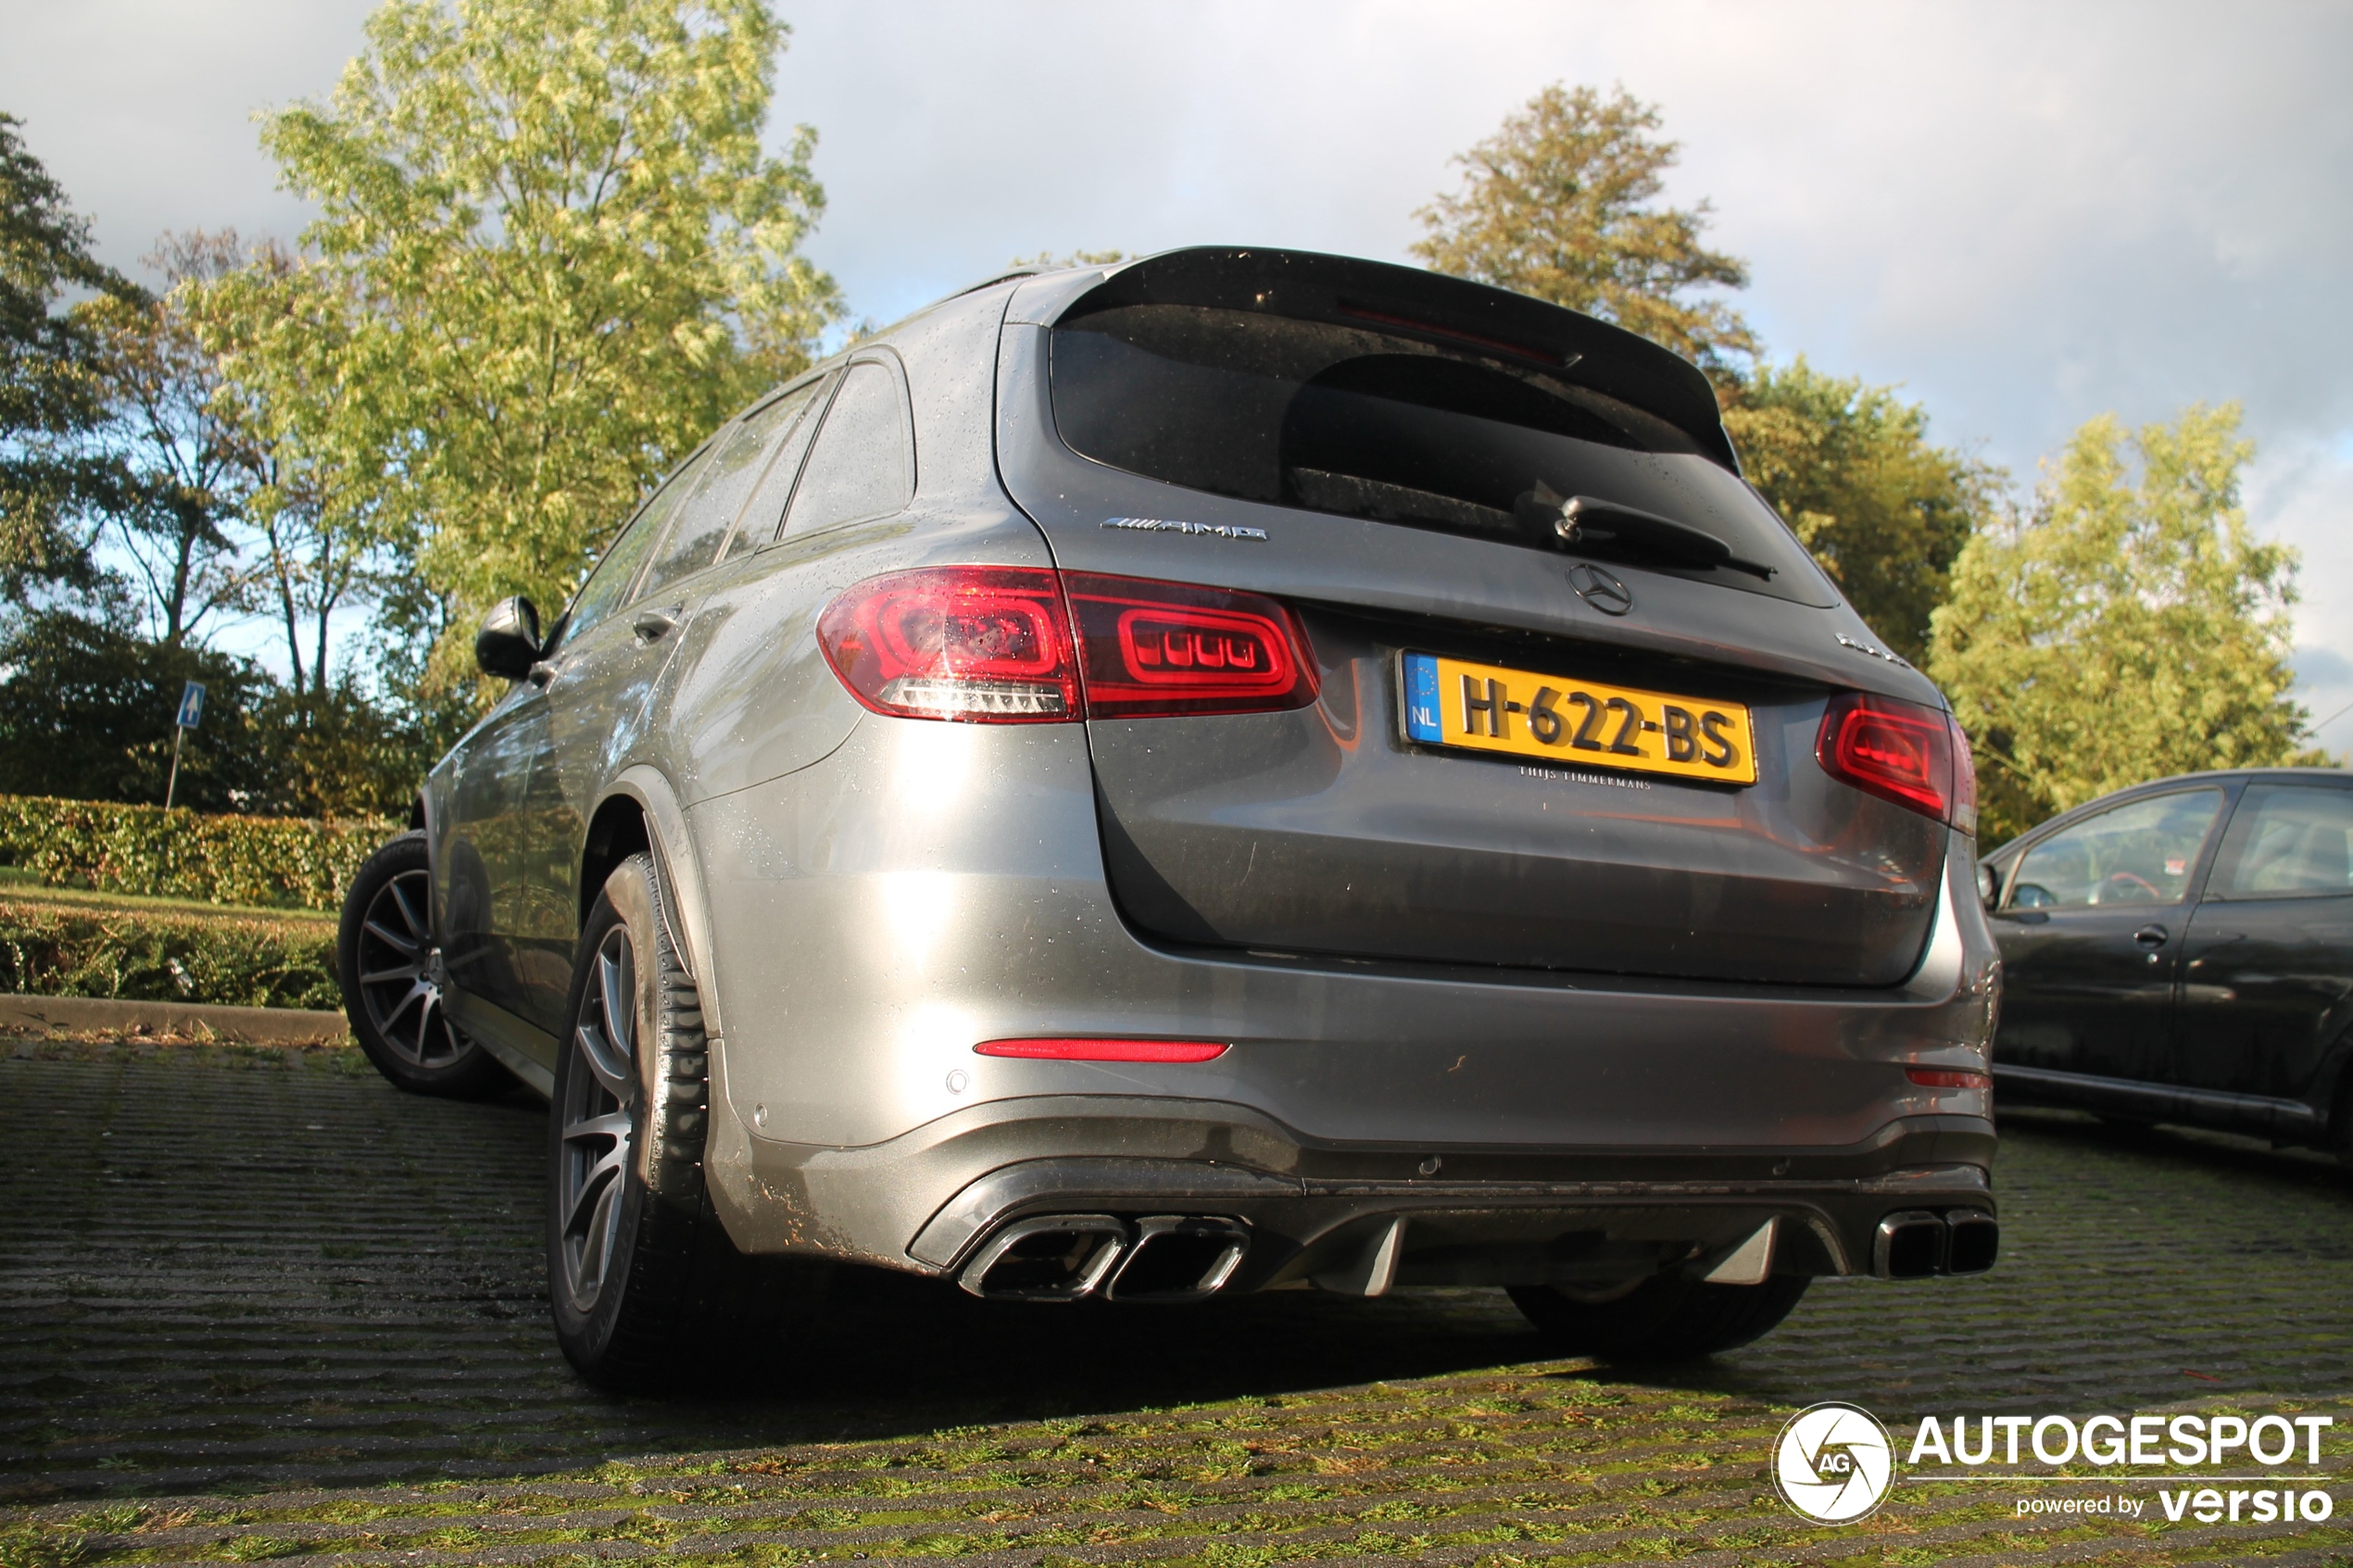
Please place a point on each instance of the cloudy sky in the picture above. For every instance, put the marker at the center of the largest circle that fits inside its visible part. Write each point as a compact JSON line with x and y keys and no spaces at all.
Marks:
{"x":2025,"y":214}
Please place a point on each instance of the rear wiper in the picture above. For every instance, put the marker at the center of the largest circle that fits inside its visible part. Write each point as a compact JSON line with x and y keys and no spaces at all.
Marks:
{"x":1584,"y":520}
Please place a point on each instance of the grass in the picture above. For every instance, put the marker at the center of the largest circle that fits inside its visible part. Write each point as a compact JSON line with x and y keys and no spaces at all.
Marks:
{"x":22,"y":886}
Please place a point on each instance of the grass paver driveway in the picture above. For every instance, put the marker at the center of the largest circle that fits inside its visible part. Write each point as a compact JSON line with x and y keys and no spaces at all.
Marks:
{"x":255,"y":1305}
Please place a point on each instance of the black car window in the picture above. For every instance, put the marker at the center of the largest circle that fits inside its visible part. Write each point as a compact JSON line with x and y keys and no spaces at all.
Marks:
{"x":608,"y":586}
{"x":705,"y":517}
{"x":863,"y":464}
{"x":764,"y":513}
{"x":2287,"y":841}
{"x":1362,"y":422}
{"x":2144,"y":852}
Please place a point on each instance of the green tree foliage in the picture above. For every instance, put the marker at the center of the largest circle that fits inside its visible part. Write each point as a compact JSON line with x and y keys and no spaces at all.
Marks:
{"x":567,"y":256}
{"x":282,"y":335}
{"x":2129,"y":627}
{"x":50,"y":394}
{"x":1884,"y":511}
{"x":1562,"y":204}
{"x":186,"y":468}
{"x":86,"y":712}
{"x":1047,"y":261}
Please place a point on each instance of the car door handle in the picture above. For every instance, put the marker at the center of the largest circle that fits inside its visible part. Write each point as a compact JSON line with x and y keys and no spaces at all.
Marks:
{"x":652,"y":625}
{"x":2150,"y":937}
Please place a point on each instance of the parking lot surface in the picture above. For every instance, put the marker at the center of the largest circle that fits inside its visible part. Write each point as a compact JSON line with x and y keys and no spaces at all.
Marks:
{"x":258,"y":1305}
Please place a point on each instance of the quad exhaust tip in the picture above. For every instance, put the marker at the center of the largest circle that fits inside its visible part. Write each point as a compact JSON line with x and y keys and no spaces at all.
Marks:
{"x":1916,"y":1243}
{"x":1162,"y":1257}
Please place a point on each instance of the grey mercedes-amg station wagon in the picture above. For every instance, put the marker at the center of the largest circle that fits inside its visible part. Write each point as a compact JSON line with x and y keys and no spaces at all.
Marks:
{"x":1243,"y":771}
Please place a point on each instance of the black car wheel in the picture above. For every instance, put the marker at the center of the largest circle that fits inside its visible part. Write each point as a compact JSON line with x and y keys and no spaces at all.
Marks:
{"x":641,"y":1273}
{"x":390,"y":967}
{"x":1667,"y":1317}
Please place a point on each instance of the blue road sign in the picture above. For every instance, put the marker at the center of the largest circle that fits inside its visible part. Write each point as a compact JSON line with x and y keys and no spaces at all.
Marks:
{"x":191,"y":705}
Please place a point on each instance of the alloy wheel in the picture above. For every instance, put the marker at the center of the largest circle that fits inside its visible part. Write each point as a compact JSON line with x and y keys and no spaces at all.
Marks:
{"x":400,"y":975}
{"x":599,"y":1119}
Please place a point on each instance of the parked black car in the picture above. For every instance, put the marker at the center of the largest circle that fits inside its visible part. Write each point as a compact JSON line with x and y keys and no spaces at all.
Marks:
{"x":2182,"y":951}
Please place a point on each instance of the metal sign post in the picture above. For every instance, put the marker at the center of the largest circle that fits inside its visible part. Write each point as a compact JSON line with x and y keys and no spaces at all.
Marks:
{"x":191,"y":713}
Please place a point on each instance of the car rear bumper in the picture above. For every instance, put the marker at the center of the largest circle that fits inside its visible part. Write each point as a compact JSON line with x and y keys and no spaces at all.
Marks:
{"x":932,"y":1200}
{"x":932,"y":886}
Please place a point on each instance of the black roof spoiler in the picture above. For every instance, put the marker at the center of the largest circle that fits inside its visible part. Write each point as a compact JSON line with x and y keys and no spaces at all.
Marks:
{"x":1431,"y":306}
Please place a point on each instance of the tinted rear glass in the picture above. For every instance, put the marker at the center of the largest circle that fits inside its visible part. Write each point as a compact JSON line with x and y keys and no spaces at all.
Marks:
{"x":1365,"y":424}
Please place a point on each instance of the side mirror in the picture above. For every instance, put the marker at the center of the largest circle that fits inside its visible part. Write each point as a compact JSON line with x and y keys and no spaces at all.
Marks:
{"x":1989,"y":885}
{"x":508,"y":644}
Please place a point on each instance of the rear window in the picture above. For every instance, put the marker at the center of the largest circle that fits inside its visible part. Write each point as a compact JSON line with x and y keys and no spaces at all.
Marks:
{"x":1361,"y":422}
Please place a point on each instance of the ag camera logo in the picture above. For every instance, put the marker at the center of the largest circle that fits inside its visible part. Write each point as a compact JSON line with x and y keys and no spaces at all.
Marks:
{"x":1832,"y":1464}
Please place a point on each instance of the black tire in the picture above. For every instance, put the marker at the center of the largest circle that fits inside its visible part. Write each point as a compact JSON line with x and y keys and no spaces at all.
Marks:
{"x":389,"y":964}
{"x":1667,"y":1317}
{"x":646,"y":1286}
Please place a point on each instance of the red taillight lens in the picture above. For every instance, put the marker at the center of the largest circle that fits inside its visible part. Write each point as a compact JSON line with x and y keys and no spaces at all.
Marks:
{"x":1168,"y":647}
{"x":993,"y":645}
{"x":1105,"y":1050}
{"x":980,"y":643}
{"x":1899,"y":751}
{"x":1945,"y":1078}
{"x":1964,"y":781}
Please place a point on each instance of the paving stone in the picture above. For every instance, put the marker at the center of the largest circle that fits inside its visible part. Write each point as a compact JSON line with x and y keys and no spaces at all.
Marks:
{"x":259,"y":1305}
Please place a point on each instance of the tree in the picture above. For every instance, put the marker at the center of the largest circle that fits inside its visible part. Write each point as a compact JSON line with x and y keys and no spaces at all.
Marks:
{"x":185,"y":468}
{"x":1047,"y":261}
{"x":1560,"y":204}
{"x":568,"y":258}
{"x":50,"y":395}
{"x":2129,"y":627}
{"x":86,"y":712}
{"x":1884,"y":511}
{"x":282,"y":335}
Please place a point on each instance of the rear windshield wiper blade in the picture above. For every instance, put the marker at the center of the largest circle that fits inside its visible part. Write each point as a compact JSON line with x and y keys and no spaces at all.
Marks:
{"x":1585,"y":520}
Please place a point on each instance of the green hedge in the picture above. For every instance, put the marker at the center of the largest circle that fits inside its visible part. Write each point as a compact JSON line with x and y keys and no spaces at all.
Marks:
{"x":281,"y":861}
{"x":49,"y":949}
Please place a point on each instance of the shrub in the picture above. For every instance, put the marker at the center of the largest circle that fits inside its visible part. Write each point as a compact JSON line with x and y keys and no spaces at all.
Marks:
{"x":58,"y":950}
{"x":283,"y":862}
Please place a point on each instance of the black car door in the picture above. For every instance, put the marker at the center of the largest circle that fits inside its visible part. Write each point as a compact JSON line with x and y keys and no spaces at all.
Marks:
{"x":2091,"y":921}
{"x":2267,"y":979}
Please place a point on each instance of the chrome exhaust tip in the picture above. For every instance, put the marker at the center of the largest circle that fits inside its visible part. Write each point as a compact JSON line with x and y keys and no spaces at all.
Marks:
{"x":1179,"y":1257}
{"x":1909,"y":1245}
{"x":1975,"y":1241}
{"x":1915,"y":1243}
{"x":1049,"y":1258}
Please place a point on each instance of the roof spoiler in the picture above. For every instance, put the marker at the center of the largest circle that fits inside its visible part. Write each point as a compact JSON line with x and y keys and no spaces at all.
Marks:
{"x":1411,"y":302}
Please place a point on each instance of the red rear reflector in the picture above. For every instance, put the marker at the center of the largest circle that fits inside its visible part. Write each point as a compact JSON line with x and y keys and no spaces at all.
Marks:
{"x":993,"y":644}
{"x":1946,"y":1078}
{"x":1899,"y":751}
{"x":1105,"y":1050}
{"x":1166,"y":647}
{"x":977,"y":643}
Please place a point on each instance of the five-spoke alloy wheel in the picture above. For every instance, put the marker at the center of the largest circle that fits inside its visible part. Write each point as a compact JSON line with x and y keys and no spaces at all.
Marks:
{"x":391,"y":966}
{"x":597,"y":1124}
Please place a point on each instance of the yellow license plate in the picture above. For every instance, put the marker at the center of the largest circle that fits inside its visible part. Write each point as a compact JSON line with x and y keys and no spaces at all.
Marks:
{"x":1487,"y":707}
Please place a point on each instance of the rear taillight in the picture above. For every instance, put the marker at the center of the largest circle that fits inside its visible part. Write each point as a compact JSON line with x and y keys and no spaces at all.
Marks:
{"x":980,"y":643}
{"x":1947,"y":1078}
{"x":1060,"y":1050}
{"x":1167,"y":648}
{"x":1964,"y":780}
{"x":994,"y":646}
{"x":1899,"y":751}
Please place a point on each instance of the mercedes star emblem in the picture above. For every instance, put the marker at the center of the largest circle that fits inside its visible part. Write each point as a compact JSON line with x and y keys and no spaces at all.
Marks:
{"x":1600,"y":589}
